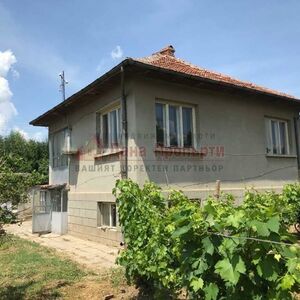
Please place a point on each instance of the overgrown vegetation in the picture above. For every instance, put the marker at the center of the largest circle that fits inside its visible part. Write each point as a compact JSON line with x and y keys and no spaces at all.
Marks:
{"x":23,"y":164}
{"x":214,"y":251}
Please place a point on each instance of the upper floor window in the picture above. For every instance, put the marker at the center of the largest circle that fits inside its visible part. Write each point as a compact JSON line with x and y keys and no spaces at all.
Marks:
{"x":59,"y":142}
{"x":277,"y":137}
{"x":174,"y":125}
{"x":109,"y":129}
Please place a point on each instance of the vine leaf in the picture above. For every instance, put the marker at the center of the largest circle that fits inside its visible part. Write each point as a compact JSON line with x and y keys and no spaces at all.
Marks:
{"x":197,"y":284}
{"x":261,"y":228}
{"x":287,"y":282}
{"x":266,"y":269}
{"x":231,"y":271}
{"x":181,"y":230}
{"x":208,"y":246}
{"x":211,"y":291}
{"x":273,"y":224}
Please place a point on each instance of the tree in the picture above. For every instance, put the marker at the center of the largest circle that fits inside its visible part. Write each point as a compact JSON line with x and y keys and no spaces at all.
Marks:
{"x":23,"y":164}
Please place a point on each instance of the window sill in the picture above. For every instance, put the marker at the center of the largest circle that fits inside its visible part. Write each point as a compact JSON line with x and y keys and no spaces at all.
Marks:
{"x":177,"y":150}
{"x":110,"y":153}
{"x":281,"y":156}
{"x":105,"y":228}
{"x":70,"y":152}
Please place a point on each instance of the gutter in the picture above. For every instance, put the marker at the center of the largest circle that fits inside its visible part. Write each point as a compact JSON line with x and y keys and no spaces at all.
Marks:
{"x":124,"y":167}
{"x":296,"y":121}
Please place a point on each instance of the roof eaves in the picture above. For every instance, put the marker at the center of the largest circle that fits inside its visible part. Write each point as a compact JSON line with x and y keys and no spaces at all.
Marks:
{"x":74,"y":97}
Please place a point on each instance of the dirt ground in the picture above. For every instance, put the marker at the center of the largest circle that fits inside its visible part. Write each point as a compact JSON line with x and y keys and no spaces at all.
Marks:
{"x":94,"y":290}
{"x":92,"y":255}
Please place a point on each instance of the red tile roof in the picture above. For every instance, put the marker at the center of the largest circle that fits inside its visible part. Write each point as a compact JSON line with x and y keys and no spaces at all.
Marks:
{"x":166,"y":59}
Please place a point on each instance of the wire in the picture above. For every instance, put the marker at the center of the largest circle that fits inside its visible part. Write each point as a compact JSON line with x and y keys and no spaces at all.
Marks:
{"x":253,"y":239}
{"x":244,"y":238}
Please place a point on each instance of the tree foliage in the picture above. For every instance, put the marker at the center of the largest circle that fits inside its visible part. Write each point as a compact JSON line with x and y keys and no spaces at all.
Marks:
{"x":23,"y":163}
{"x":214,"y":251}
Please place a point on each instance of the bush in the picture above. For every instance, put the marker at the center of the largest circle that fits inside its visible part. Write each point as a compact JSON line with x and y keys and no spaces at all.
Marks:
{"x":291,"y":199}
{"x":217,"y":251}
{"x":6,"y":217}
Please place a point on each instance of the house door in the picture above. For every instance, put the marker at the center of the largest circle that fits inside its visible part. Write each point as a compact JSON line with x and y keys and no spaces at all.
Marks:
{"x":59,"y":223}
{"x":41,"y":212}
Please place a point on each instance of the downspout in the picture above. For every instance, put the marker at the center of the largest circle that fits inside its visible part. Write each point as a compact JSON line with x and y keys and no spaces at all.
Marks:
{"x":124,"y":165}
{"x":124,"y":169}
{"x":296,"y":120}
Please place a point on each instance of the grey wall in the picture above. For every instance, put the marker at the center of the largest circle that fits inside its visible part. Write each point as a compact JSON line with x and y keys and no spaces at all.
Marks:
{"x":233,"y":121}
{"x":90,"y":179}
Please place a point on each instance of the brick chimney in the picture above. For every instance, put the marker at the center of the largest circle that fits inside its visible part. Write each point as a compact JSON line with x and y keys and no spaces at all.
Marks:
{"x":169,"y":50}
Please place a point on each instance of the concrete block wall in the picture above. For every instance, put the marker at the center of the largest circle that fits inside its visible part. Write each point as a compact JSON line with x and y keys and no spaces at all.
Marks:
{"x":82,"y":222}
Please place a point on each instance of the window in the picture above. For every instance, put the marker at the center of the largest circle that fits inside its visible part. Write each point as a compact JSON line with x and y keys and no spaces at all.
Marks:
{"x":59,"y":144}
{"x":59,"y":200}
{"x":277,"y":137}
{"x":107,"y":214}
{"x":43,"y":206}
{"x":109,"y":129}
{"x":174,"y":125}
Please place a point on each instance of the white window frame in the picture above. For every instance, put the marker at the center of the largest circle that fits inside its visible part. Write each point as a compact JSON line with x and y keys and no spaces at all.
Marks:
{"x":270,"y":143}
{"x":100,"y":215}
{"x":180,"y":124}
{"x":119,"y":129}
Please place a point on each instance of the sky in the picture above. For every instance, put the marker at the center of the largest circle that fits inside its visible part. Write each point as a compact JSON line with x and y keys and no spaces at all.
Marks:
{"x":255,"y":40}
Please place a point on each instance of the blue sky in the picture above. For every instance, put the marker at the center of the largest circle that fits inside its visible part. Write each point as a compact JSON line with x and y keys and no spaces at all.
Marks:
{"x":253,"y":40}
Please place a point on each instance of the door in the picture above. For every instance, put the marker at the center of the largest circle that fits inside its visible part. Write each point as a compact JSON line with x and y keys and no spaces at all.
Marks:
{"x":59,"y":211}
{"x":41,"y":212}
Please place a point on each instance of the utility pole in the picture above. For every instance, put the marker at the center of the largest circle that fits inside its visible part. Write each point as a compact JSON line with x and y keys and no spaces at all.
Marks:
{"x":62,"y":86}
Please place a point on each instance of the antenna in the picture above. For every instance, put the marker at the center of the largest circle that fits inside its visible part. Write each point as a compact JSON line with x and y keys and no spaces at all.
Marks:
{"x":62,"y":86}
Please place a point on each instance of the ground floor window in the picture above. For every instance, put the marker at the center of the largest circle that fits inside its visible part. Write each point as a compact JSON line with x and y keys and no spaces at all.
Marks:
{"x":107,"y":214}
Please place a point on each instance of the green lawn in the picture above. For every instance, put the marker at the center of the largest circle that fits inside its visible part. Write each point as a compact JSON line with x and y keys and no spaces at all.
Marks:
{"x":31,"y":271}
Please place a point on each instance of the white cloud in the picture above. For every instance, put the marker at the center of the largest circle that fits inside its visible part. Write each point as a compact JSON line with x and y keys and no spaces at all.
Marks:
{"x":7,"y":59}
{"x":40,"y":136}
{"x":37,"y":136}
{"x":22,"y":132}
{"x":116,"y":53}
{"x":5,"y":92}
{"x":7,"y":108}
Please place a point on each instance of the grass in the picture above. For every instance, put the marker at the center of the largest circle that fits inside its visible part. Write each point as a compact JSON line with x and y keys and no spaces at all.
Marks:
{"x":31,"y":271}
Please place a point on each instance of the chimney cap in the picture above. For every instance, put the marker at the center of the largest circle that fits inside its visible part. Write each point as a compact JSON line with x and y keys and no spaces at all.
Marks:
{"x":168,"y":50}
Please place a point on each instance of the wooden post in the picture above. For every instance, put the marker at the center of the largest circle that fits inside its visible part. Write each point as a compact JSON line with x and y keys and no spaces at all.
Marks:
{"x":217,"y":191}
